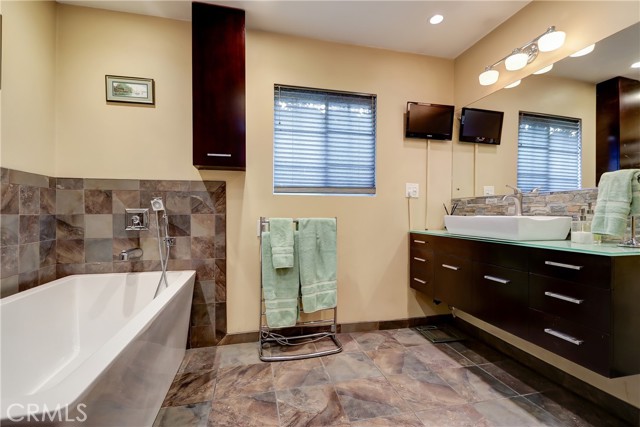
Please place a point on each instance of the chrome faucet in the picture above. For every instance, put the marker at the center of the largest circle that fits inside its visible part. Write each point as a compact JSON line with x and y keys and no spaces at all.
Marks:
{"x":127,"y":254}
{"x":517,"y":198}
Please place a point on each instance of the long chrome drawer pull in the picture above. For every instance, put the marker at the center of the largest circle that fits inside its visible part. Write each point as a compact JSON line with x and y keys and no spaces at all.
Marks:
{"x":419,"y":241}
{"x":497,"y":279}
{"x":559,"y":264}
{"x":451,"y":267}
{"x":564,"y":297}
{"x":419,"y":259}
{"x":562,"y":336}
{"x":218,"y":155}
{"x":419,"y":281}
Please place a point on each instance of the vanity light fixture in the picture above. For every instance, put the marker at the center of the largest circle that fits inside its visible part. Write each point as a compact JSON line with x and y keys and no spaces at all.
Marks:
{"x":512,"y":85}
{"x":489,"y":76}
{"x":635,"y":65}
{"x":436,"y":19}
{"x":520,"y":57}
{"x":582,"y":52}
{"x":544,"y":70}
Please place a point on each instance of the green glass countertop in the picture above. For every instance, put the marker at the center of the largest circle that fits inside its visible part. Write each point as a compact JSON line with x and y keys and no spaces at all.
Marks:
{"x":605,"y":249}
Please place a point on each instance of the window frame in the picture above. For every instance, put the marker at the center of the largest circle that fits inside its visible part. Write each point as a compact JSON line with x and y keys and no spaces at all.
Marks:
{"x":319,"y":140}
{"x":548,"y":184}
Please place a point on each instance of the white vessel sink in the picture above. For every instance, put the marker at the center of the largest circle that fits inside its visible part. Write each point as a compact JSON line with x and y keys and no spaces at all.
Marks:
{"x":510,"y":227}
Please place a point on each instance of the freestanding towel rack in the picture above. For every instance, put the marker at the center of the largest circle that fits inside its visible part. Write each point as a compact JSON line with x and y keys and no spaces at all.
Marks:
{"x":268,"y":336}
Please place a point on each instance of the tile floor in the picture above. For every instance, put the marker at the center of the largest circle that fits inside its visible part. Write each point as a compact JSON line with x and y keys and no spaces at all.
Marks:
{"x":382,"y":378}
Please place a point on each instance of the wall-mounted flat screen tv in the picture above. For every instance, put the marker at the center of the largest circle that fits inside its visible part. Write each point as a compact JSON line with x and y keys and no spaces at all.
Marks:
{"x":481,"y":126}
{"x":429,"y":121}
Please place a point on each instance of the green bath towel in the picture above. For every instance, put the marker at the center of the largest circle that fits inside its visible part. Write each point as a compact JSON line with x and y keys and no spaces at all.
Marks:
{"x":317,"y":253}
{"x":281,"y":230}
{"x":280,"y":287}
{"x":618,"y":196}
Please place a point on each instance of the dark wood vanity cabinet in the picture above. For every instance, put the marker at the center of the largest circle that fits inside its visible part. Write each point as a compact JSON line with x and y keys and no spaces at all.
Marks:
{"x":580,"y":307}
{"x":218,"y":73}
{"x":421,"y":265}
{"x":583,"y":307}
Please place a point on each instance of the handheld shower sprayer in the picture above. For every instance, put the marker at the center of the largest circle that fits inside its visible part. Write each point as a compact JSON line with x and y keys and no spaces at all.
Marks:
{"x":157,"y":204}
{"x":158,"y":207}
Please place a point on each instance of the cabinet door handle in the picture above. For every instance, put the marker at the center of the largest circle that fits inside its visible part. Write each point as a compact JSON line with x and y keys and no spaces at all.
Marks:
{"x":218,"y":155}
{"x":419,"y":259}
{"x":559,"y":264}
{"x":497,"y":279}
{"x":562,"y":336}
{"x":419,"y":281}
{"x":451,"y":267}
{"x":422,"y":242}
{"x":564,"y":298}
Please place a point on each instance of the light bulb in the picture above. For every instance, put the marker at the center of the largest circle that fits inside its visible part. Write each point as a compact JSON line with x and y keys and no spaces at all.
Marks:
{"x":582,"y":52}
{"x":514,"y":84}
{"x":488,"y":77}
{"x":551,"y":41}
{"x":635,"y":65}
{"x":544,"y":70}
{"x":516,"y":61}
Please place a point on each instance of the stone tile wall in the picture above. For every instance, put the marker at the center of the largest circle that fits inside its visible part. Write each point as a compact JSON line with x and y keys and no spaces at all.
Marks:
{"x":54,"y":227}
{"x":561,"y":203}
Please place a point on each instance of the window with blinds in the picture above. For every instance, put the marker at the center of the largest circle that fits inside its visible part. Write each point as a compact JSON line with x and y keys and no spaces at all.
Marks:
{"x":549,"y":153}
{"x":323,"y":141}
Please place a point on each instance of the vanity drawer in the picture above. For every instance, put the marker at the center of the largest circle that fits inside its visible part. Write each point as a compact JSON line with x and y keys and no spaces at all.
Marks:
{"x":575,"y":267}
{"x":585,"y":305}
{"x":421,"y":270}
{"x":508,"y":256}
{"x":418,"y":242}
{"x":452,"y":280}
{"x":584,"y":346}
{"x":500,"y":297}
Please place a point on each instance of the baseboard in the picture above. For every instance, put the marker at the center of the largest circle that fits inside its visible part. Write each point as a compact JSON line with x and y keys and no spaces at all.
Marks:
{"x":344,"y":328}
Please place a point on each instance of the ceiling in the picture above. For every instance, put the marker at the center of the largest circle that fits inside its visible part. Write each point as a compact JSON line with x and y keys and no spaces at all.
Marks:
{"x":395,"y":25}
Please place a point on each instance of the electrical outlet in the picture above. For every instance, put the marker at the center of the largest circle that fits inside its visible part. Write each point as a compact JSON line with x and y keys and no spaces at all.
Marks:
{"x":412,"y":190}
{"x":489,"y":190}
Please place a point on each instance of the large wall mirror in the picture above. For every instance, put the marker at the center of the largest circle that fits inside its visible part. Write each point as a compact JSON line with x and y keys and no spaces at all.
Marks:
{"x":568,"y":90}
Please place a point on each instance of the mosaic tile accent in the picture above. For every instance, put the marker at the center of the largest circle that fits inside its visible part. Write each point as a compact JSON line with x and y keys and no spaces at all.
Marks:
{"x":54,"y":227}
{"x":561,"y":203}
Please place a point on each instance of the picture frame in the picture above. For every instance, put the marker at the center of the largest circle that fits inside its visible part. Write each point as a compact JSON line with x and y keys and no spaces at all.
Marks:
{"x":131,"y":90}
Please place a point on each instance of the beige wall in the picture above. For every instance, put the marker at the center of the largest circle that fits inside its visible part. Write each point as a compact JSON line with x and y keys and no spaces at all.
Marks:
{"x":477,"y":165}
{"x":96,"y":139}
{"x":28,"y":86}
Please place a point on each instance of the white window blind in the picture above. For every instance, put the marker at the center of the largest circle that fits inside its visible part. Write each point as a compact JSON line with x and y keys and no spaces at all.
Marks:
{"x":549,"y":153}
{"x":323,"y":141}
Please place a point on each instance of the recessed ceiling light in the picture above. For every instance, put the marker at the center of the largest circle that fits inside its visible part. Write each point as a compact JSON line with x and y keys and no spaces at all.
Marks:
{"x":587,"y":50}
{"x":436,"y":19}
{"x":635,"y":65}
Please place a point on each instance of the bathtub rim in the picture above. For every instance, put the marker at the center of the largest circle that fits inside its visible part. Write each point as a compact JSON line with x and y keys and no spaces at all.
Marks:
{"x":80,"y":382}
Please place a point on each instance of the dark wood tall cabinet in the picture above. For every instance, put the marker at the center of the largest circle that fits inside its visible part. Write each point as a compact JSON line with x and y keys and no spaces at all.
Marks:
{"x":617,"y":125}
{"x":218,"y":72}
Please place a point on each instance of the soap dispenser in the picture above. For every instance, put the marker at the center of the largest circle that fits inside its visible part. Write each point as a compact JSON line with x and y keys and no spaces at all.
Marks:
{"x":581,"y":229}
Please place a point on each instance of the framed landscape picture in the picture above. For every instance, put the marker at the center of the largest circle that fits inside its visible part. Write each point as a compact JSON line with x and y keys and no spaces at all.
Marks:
{"x":130,"y":89}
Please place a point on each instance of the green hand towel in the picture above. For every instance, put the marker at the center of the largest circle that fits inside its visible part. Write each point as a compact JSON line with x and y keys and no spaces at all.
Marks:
{"x":280,"y":288}
{"x":615,"y":196}
{"x":281,"y":230}
{"x":317,"y":253}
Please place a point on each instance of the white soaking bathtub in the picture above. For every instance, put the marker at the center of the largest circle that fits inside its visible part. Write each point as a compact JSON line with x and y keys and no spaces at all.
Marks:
{"x":92,"y":350}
